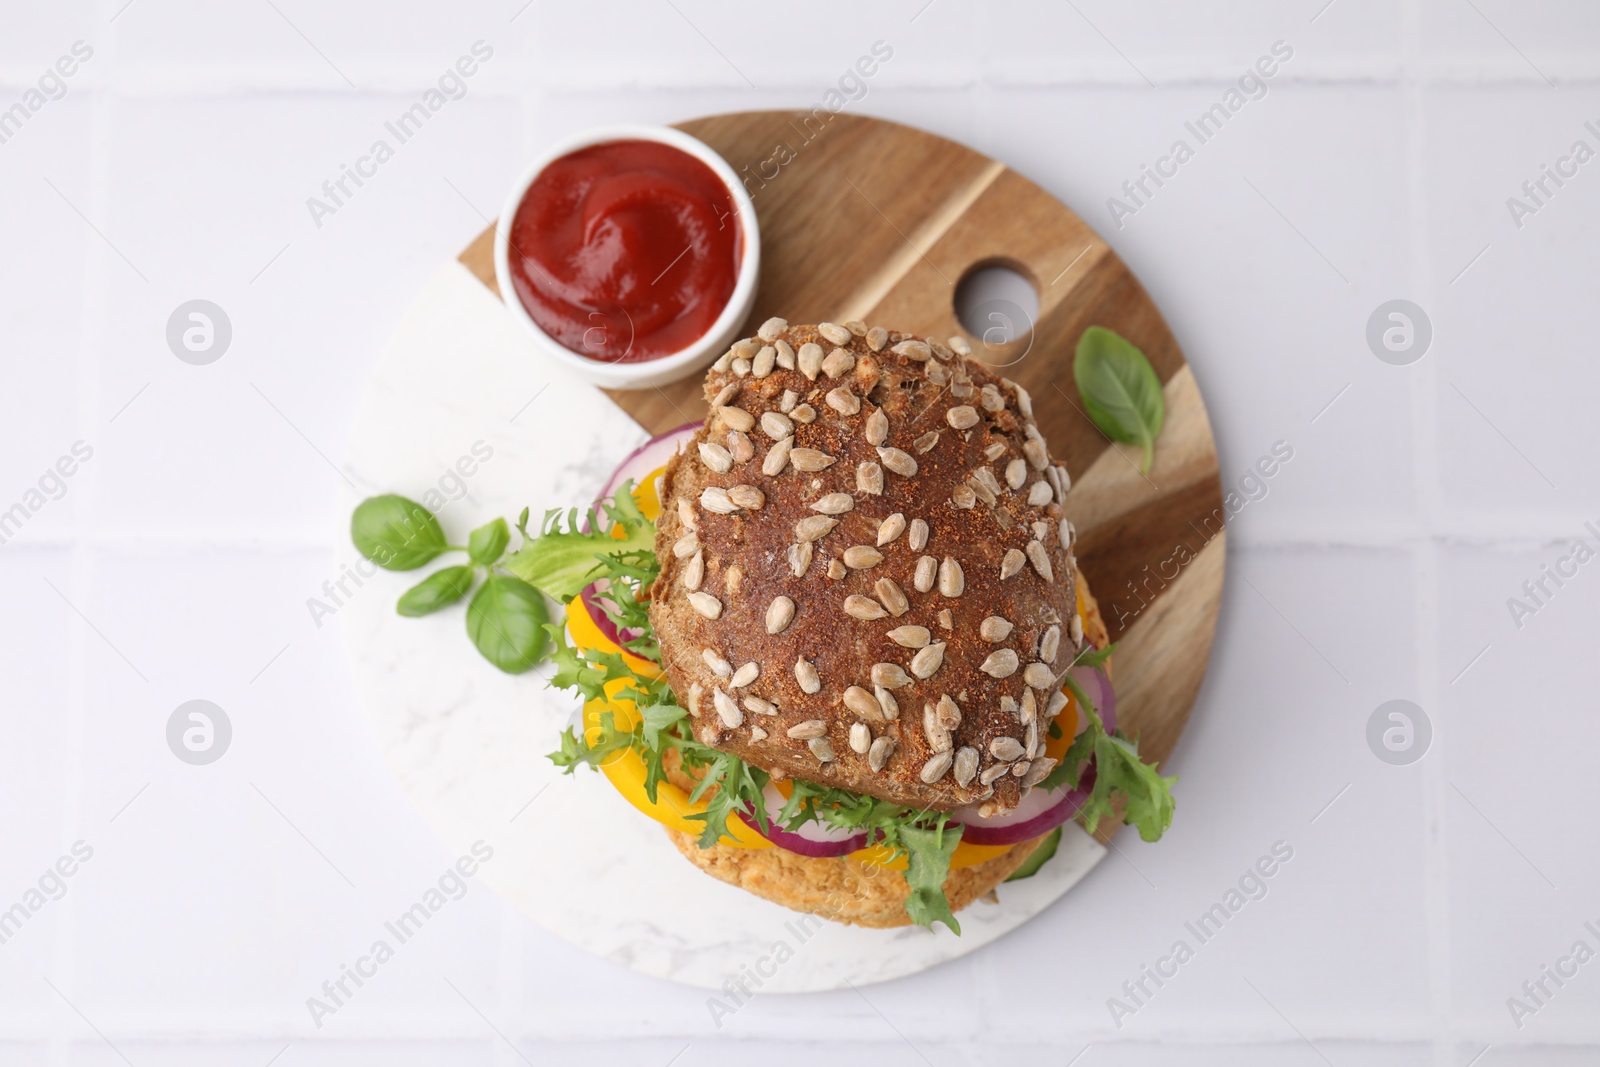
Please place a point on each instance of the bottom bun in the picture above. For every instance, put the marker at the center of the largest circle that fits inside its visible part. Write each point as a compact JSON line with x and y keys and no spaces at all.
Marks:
{"x":847,"y":890}
{"x":840,"y":888}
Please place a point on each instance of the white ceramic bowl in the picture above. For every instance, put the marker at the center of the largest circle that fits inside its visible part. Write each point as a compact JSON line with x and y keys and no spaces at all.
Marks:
{"x":645,"y":374}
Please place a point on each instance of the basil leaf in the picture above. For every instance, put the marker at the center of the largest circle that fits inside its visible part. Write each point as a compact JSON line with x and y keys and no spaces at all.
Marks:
{"x":1037,"y":857}
{"x":439,"y":589}
{"x":488,"y":542}
{"x":1120,"y":391}
{"x":506,"y":620}
{"x":395,"y":533}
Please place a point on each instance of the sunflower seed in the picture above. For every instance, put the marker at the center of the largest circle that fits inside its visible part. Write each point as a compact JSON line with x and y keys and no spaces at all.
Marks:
{"x":765,"y":360}
{"x":1041,"y":561}
{"x":1005,"y":748}
{"x":759,"y":706}
{"x":1034,"y":449}
{"x":994,"y":451}
{"x":837,"y":334}
{"x":838,"y":364}
{"x":898,"y":461}
{"x":1028,"y":710}
{"x":1039,"y":771}
{"x":813,"y":526}
{"x":862,"y":703}
{"x":860,"y":738}
{"x":1024,"y":401}
{"x":984,"y":476}
{"x":963,"y":497}
{"x":1050,"y":644}
{"x":926,"y":663}
{"x":936,"y":767}
{"x":961,"y":389}
{"x":810,"y":360}
{"x":993,"y":772}
{"x":910,"y":636}
{"x":785,"y":354}
{"x":913,"y":350}
{"x":741,"y":367}
{"x":919,"y":535}
{"x":800,"y":558}
{"x":772,"y":328}
{"x":856,"y":327}
{"x":694,"y":572}
{"x":777,"y":458}
{"x":745,"y":675}
{"x":723,"y":361}
{"x":735,"y":418}
{"x":806,"y":730}
{"x":821,"y":748}
{"x":946,"y":619}
{"x":1031,"y":741}
{"x":995,"y":629}
{"x":805,"y":673}
{"x":966,"y":765}
{"x":810,"y":460}
{"x":1040,"y":494}
{"x":1041,"y":530}
{"x":719,"y":666}
{"x":962,"y":418}
{"x":877,"y":429}
{"x":938,"y":737}
{"x":892,"y":596}
{"x":947,"y":713}
{"x":959,"y":346}
{"x":726,"y":394}
{"x":833,"y":504}
{"x":757,"y":734}
{"x":1066,"y":478}
{"x":1075,"y":631}
{"x":952,"y":582}
{"x":1038,"y":675}
{"x":938,"y":374}
{"x":927,"y":573}
{"x":1058,"y":701}
{"x":992,"y":400}
{"x":891,"y":528}
{"x":879,"y":753}
{"x":1012,"y":563}
{"x":836,"y":569}
{"x":1021,"y":767}
{"x":1001,"y":663}
{"x":776,"y":425}
{"x":727,"y":710}
{"x":706,"y":604}
{"x":861,"y":557}
{"x":889,"y":675}
{"x":843,"y":401}
{"x":787,"y":402}
{"x":886,"y":702}
{"x":869,"y":478}
{"x":748,"y":497}
{"x":687,"y":545}
{"x":863,"y":607}
{"x":780,"y":613}
{"x":716,"y":457}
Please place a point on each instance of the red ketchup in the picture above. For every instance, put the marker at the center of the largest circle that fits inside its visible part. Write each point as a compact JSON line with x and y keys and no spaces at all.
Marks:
{"x":626,"y":251}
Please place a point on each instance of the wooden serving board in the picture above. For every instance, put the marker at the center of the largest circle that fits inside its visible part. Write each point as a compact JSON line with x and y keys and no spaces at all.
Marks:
{"x":867,"y":219}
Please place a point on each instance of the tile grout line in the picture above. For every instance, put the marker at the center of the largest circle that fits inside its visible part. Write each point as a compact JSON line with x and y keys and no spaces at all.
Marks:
{"x":1425,"y":644}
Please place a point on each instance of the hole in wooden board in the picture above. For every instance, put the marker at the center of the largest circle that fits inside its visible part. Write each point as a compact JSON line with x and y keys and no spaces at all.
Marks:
{"x":997,"y":305}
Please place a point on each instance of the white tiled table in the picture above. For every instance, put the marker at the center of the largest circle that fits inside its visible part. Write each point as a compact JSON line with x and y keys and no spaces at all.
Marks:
{"x":178,"y":562}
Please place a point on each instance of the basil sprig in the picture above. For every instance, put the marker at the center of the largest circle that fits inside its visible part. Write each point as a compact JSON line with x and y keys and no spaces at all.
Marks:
{"x":506,"y":618}
{"x":1120,"y":391}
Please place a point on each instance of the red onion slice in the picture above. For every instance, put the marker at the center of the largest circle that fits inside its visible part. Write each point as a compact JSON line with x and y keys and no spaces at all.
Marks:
{"x":638,"y":465}
{"x":1095,"y":684}
{"x":814,"y":839}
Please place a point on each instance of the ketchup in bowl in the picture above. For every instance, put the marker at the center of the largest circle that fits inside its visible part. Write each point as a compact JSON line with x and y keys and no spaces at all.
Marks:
{"x":625,"y":251}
